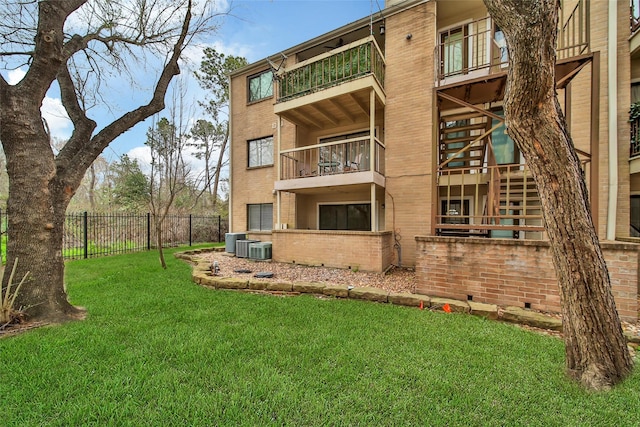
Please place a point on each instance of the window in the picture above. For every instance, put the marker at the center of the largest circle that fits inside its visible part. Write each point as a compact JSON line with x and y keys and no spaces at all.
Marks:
{"x":454,"y":51}
{"x":635,"y":216}
{"x":355,"y":217}
{"x":635,"y":92}
{"x":501,"y":45}
{"x":353,"y":155}
{"x":450,"y":148}
{"x":260,"y":217}
{"x":455,"y":211}
{"x":504,"y":149}
{"x":261,"y":152}
{"x":361,"y":134}
{"x":261,"y":86}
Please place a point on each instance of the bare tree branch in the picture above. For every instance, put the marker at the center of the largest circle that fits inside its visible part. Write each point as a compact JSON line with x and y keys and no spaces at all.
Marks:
{"x":83,"y":152}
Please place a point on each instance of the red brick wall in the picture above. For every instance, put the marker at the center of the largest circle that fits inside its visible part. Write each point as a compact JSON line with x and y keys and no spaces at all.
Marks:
{"x":514,"y":272}
{"x":363,"y":251}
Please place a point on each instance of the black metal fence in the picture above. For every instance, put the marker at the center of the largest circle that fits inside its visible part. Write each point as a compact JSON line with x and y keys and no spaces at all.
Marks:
{"x":88,"y":235}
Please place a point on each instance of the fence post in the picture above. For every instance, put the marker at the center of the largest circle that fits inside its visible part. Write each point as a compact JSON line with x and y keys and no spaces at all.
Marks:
{"x":190,"y":228}
{"x":219,"y":229}
{"x":85,"y":235}
{"x":148,"y":231}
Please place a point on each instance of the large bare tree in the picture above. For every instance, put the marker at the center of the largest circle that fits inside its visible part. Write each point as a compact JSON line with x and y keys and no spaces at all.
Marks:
{"x":74,"y":46}
{"x":596,"y":350}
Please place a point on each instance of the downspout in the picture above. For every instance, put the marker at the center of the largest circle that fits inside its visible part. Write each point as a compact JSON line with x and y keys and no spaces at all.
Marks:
{"x":230,"y":142}
{"x":612,"y":59}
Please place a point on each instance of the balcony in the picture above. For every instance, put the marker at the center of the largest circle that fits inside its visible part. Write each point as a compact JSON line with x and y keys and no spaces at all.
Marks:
{"x":634,"y":147}
{"x":635,"y":137}
{"x":634,"y":16}
{"x":345,"y":162}
{"x":634,"y":24}
{"x":489,"y":201}
{"x":478,"y":49}
{"x":333,"y":88}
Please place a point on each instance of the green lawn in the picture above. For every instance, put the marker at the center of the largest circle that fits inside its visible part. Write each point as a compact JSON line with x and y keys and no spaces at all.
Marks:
{"x":157,"y":349}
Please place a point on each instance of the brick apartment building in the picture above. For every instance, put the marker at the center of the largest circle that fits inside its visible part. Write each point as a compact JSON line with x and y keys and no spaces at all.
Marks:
{"x":382,"y":143}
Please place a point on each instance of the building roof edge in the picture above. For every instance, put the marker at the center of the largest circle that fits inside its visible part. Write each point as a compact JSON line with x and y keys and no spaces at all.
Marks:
{"x":377,"y":16}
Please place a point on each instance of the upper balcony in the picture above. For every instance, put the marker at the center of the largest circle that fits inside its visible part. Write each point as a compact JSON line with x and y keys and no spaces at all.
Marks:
{"x":634,"y":152}
{"x":634,"y":26}
{"x":477,"y":49}
{"x":333,"y":88}
{"x":634,"y":16}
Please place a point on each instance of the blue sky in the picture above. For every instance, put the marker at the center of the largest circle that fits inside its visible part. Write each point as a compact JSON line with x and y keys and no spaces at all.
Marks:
{"x":266,"y":27}
{"x":260,"y":28}
{"x":255,"y":29}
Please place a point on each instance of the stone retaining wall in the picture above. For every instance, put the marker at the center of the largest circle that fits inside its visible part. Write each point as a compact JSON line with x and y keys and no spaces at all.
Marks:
{"x":202,"y":275}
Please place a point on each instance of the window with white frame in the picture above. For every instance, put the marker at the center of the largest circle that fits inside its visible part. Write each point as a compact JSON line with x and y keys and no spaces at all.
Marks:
{"x":260,"y":217}
{"x":260,"y":152}
{"x":260,"y":86}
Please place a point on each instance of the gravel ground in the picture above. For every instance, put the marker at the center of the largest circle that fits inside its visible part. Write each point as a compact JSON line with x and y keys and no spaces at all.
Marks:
{"x":396,"y":280}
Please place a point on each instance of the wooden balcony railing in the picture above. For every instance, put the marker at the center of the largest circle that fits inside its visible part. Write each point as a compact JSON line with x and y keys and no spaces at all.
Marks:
{"x":355,"y":60}
{"x":341,"y":157}
{"x":480,"y":200}
{"x":573,"y":34}
{"x":476,"y":200}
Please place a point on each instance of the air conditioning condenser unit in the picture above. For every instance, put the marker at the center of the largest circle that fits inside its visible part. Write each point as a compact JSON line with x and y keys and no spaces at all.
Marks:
{"x":230,"y":241}
{"x":260,"y":250}
{"x":242,"y":247}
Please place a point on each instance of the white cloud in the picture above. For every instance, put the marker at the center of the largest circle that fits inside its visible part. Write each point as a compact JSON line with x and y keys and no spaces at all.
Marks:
{"x":14,"y":76}
{"x":221,"y":6}
{"x":53,"y":112}
{"x":56,"y":118}
{"x":142,"y":155}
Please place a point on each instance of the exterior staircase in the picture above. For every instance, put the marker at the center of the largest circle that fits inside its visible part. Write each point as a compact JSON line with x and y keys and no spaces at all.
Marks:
{"x":457,"y":133}
{"x":519,"y":197}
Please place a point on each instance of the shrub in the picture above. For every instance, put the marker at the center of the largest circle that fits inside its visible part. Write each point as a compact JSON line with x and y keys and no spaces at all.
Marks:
{"x":8,"y":314}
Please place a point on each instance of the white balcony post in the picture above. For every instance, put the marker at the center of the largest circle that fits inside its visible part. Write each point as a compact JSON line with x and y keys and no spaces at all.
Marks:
{"x":279,"y":147}
{"x":374,"y":216}
{"x":278,"y":200}
{"x":372,"y":129}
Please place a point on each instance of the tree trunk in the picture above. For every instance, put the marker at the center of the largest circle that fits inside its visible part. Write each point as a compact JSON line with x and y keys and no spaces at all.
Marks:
{"x":36,"y":216}
{"x":41,"y":184}
{"x":596,"y":350}
{"x":158,"y":224}
{"x":92,"y":187}
{"x":216,"y":181}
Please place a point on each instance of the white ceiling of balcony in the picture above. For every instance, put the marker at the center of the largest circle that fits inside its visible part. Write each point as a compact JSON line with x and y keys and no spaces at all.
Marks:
{"x":321,"y":111}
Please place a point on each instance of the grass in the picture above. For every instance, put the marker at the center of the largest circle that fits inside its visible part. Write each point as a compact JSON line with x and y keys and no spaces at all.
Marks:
{"x":158,"y":350}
